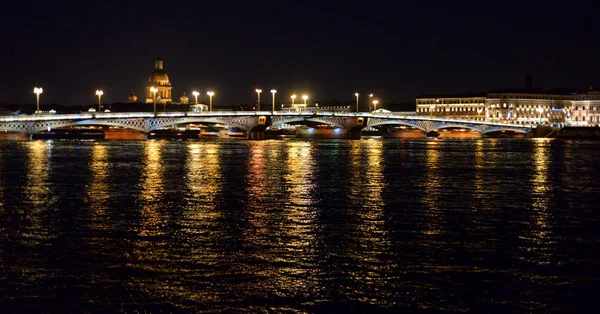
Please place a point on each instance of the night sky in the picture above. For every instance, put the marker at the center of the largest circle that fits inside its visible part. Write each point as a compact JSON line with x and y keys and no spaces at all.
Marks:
{"x":328,"y":50}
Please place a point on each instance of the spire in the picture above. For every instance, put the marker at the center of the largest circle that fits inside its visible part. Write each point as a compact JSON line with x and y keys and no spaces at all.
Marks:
{"x":158,"y":64}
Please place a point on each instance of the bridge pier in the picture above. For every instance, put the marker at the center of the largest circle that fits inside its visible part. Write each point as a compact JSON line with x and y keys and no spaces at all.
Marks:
{"x":15,"y":137}
{"x":256,"y":135}
{"x":353,"y":135}
{"x":126,"y":135}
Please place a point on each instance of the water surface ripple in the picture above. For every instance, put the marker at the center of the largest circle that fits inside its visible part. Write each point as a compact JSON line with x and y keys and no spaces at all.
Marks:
{"x":299,"y":226}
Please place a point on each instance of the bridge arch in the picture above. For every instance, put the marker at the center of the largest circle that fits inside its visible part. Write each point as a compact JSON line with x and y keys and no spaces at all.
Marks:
{"x":154,"y":124}
{"x":501,"y":129}
{"x":337,"y":122}
{"x":442,"y":126}
{"x":423,"y":128}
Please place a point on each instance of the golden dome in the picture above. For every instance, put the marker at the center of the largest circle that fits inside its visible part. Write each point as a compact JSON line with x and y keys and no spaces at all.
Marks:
{"x":159,"y":76}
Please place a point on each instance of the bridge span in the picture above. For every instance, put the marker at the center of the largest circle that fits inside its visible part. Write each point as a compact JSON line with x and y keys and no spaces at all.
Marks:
{"x":253,"y":122}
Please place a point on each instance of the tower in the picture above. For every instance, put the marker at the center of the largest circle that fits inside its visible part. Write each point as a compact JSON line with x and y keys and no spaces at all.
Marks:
{"x":159,"y":80}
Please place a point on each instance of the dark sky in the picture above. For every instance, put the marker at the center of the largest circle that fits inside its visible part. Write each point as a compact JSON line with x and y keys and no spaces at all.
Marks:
{"x":328,"y":49}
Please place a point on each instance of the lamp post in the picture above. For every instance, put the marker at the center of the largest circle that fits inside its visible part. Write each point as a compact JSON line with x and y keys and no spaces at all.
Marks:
{"x":539,"y":110}
{"x":154,"y":90}
{"x":369,"y":101}
{"x":293,"y":98}
{"x":375,"y":102}
{"x":273,"y":91}
{"x":356,"y":94}
{"x":99,"y":93}
{"x":258,"y":91}
{"x":305,"y":97}
{"x":195,"y":93}
{"x":210,"y":96}
{"x":37,"y":91}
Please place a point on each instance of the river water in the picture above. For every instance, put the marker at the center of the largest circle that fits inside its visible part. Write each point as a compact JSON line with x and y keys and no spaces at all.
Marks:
{"x":153,"y":226}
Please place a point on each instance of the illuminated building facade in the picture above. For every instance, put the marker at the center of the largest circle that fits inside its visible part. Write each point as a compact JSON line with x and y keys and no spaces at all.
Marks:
{"x":556,"y":107}
{"x":585,"y":109}
{"x":466,"y":106}
{"x":159,"y":80}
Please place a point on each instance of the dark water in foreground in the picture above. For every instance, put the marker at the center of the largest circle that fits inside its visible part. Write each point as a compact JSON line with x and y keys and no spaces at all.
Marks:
{"x":300,"y":226}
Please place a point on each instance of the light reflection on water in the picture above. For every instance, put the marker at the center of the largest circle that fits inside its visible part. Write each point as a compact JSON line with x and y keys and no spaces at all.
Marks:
{"x":467,"y":226}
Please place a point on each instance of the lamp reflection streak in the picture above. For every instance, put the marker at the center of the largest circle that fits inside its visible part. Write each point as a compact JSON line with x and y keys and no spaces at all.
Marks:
{"x":36,"y":231}
{"x":539,"y":238}
{"x":296,"y":230}
{"x":432,"y":189}
{"x":149,"y":244}
{"x":201,"y":226}
{"x":97,"y":194}
{"x":37,"y":192}
{"x":256,"y":185}
{"x":373,"y":238}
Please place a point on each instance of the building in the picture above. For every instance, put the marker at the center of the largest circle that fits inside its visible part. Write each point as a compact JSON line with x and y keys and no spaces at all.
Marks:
{"x":463,"y":106}
{"x":160,"y":81}
{"x":184,"y":100}
{"x":529,"y":105}
{"x":132,"y":98}
{"x":585,"y":108}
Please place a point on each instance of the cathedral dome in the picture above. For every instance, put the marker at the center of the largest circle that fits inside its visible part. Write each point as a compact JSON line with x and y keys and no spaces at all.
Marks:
{"x":159,"y":76}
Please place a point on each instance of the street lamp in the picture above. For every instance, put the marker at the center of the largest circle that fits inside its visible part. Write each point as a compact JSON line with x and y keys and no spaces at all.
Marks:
{"x":210,"y":95}
{"x":99,"y":93}
{"x":154,"y":90}
{"x":369,"y":102}
{"x":293,"y":98}
{"x":356,"y":94}
{"x":258,"y":91}
{"x":37,"y":91}
{"x":195,"y":93}
{"x":273,"y":91}
{"x":305,"y":97}
{"x":375,"y":102}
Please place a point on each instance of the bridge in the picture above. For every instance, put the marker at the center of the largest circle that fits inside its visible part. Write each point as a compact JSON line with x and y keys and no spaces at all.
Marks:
{"x":253,"y":122}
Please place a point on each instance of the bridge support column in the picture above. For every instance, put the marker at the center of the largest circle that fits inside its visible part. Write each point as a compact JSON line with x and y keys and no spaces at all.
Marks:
{"x":15,"y":136}
{"x":257,"y":135}
{"x":353,"y":135}
{"x":127,"y":135}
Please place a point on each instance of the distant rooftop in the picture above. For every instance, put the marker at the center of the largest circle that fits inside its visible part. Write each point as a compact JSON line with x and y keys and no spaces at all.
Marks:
{"x":538,"y":90}
{"x":463,"y":95}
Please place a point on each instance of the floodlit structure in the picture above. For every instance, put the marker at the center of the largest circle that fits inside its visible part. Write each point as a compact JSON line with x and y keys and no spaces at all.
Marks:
{"x":160,"y":81}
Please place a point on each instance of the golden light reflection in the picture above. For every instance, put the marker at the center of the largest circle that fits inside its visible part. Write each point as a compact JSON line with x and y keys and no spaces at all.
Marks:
{"x":37,"y":193}
{"x":479,"y":164}
{"x":538,"y":237}
{"x":366,"y":185}
{"x":296,"y":230}
{"x":97,"y":194}
{"x":432,"y":188}
{"x":151,"y":195}
{"x":257,"y":187}
{"x":36,"y":190}
{"x":204,"y":177}
{"x":201,"y":218}
{"x":374,"y":235}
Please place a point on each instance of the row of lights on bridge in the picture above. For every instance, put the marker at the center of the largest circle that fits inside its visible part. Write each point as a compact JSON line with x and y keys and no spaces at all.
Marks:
{"x":38,"y":90}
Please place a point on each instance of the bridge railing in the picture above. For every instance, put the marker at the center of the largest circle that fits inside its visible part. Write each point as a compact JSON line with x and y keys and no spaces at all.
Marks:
{"x":135,"y":115}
